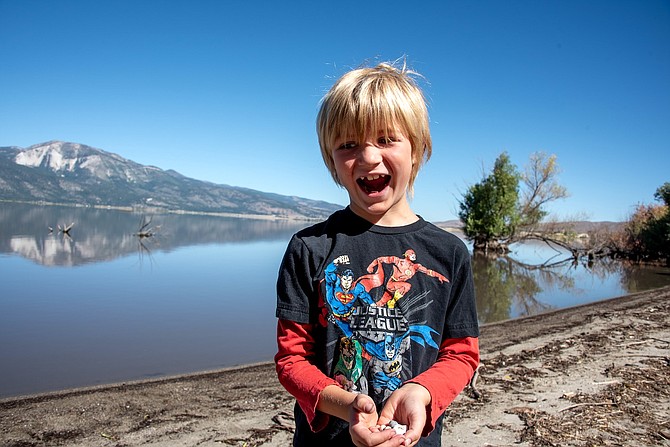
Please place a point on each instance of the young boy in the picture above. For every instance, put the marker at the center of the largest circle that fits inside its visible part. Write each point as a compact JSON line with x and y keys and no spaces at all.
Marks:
{"x":377,"y":318}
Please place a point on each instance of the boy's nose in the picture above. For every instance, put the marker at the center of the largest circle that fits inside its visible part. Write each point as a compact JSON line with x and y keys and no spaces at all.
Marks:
{"x":370,"y":154}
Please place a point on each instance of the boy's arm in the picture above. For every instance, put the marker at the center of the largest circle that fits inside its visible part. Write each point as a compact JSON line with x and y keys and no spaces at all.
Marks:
{"x":320,"y":396}
{"x":456,"y":363}
{"x":297,"y":374}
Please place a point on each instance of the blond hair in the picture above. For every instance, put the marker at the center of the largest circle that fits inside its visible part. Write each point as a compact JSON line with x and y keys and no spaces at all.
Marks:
{"x":372,"y":101}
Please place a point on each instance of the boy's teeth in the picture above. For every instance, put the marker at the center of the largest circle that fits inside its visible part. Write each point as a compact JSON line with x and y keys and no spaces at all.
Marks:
{"x":374,"y":182}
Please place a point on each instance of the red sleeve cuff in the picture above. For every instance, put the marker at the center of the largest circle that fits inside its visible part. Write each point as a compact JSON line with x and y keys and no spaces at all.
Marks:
{"x":296,"y":372}
{"x":456,"y":363}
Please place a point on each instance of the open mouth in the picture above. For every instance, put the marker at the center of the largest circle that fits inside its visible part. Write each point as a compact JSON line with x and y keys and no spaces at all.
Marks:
{"x":374,"y":183}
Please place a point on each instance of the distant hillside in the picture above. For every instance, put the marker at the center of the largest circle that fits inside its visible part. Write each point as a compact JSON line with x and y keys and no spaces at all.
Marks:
{"x":450,"y":224}
{"x":71,"y":173}
{"x":582,"y":226}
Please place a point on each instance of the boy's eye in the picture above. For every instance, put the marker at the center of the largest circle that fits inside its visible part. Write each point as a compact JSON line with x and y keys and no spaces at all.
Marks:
{"x":388,"y":139}
{"x":348,"y":145}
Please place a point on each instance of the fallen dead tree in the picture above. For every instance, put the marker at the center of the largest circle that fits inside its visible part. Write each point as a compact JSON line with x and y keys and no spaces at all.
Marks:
{"x":145,"y":229}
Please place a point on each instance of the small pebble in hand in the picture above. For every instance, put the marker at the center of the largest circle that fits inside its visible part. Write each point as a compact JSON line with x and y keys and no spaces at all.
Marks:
{"x":393,"y":425}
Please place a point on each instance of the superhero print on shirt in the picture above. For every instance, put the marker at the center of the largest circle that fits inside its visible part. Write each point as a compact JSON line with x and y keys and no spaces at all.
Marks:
{"x":398,"y":284}
{"x":343,"y":293}
{"x":349,"y":367}
{"x":378,"y":330}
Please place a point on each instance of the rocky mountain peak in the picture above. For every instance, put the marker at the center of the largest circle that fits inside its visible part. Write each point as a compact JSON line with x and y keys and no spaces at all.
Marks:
{"x":63,"y":157}
{"x":54,"y":155}
{"x":63,"y":172}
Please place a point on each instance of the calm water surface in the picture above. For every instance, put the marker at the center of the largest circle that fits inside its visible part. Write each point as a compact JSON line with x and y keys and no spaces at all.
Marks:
{"x":103,"y":306}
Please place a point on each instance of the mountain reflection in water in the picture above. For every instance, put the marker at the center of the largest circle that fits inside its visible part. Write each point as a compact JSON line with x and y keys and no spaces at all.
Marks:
{"x":100,"y":235}
{"x":102,"y":305}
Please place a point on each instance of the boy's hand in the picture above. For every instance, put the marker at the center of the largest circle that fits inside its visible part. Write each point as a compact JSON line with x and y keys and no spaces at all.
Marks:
{"x":363,"y":426}
{"x":407,"y":405}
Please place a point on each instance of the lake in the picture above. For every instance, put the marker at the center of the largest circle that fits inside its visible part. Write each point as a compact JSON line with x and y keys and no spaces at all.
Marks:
{"x":101,"y":305}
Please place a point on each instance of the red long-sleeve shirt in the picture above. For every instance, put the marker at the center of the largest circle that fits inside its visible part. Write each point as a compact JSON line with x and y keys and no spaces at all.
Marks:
{"x":456,"y":362}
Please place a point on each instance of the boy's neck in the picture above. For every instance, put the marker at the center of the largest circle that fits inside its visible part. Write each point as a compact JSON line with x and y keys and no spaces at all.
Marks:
{"x":391,"y":218}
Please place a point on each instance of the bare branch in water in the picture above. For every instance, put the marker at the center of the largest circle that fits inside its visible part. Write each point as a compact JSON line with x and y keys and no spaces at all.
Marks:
{"x":145,"y":230}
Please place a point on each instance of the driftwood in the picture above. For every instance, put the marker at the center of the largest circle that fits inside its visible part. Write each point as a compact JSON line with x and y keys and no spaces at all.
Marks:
{"x":576,"y":251}
{"x":65,"y":229}
{"x":145,"y":230}
{"x":579,"y":241}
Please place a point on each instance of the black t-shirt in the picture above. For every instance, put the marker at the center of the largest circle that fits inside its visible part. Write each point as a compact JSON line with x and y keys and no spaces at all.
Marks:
{"x":382,"y":300}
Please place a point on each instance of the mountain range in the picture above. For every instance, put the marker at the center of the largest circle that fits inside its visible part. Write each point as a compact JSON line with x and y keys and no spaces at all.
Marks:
{"x":76,"y":174}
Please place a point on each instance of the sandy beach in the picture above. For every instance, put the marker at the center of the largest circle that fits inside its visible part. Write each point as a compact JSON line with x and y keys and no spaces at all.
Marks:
{"x":593,"y":375}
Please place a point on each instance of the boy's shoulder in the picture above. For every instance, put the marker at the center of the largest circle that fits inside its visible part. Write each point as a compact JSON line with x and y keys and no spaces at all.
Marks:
{"x":322,"y":227}
{"x":341,"y":221}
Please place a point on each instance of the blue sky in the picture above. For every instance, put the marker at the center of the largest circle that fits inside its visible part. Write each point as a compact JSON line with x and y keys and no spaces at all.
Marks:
{"x":228,"y":91}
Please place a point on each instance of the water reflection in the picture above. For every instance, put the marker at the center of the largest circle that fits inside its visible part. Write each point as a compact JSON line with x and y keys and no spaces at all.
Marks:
{"x":102,"y":235}
{"x":535,"y":279}
{"x":501,"y":284}
{"x":634,"y":278}
{"x":82,"y":309}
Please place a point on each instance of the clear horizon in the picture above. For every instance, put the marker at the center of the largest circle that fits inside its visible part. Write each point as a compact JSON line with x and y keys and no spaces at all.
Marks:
{"x":228,"y":93}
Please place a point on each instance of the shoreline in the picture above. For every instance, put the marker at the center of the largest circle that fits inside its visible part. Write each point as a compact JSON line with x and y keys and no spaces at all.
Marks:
{"x":138,"y":383}
{"x":144,"y":209}
{"x":56,"y":394}
{"x":131,"y":384}
{"x":533,"y":369}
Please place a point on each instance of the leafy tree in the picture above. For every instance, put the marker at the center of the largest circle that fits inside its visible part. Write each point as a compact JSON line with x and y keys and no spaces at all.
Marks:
{"x":646,"y":235}
{"x":489,"y":208}
{"x":662,"y":194}
{"x":494,"y":210}
{"x":656,"y":234}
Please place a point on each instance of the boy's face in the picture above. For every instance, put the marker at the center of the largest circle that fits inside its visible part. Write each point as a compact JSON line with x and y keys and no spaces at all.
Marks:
{"x":376,"y":174}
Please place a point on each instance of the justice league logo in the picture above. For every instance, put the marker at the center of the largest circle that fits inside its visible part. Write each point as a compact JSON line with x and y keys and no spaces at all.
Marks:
{"x":370,"y":320}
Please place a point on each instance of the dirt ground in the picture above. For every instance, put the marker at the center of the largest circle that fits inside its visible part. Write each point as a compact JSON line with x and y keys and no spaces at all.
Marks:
{"x":594,"y":375}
